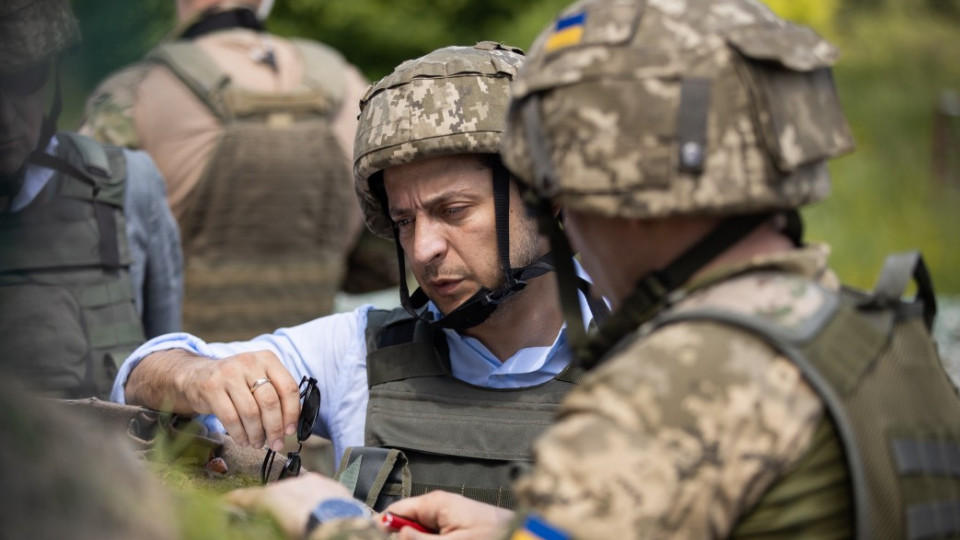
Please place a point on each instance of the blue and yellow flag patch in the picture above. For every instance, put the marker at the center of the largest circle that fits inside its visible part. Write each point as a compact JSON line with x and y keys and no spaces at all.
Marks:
{"x":535,"y":528}
{"x":568,"y":31}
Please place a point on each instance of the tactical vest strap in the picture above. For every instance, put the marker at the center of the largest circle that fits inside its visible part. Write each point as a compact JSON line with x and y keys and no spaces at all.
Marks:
{"x":572,"y":374}
{"x":898,"y":271}
{"x":872,"y":362}
{"x":778,"y":339}
{"x":196,"y":69}
{"x":323,"y":70}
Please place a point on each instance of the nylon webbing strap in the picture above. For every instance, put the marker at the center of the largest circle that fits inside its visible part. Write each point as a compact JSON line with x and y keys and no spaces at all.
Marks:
{"x":192,"y":66}
{"x":501,"y":210}
{"x":652,"y":292}
{"x":926,"y":457}
{"x":544,"y":179}
{"x":109,"y":242}
{"x":898,"y":270}
{"x":419,"y":360}
{"x":502,"y":497}
{"x":692,"y":124}
{"x":939,"y":519}
{"x":572,"y":374}
{"x":365,"y":471}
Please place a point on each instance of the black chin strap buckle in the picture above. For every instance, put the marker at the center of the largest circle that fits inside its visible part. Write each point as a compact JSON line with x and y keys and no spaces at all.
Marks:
{"x":497,"y":296}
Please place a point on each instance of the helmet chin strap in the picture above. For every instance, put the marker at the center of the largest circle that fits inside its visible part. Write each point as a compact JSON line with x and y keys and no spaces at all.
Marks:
{"x":484,"y":302}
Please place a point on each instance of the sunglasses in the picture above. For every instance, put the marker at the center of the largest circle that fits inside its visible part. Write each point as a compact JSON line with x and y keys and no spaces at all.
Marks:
{"x":310,"y":396}
{"x":27,"y":82}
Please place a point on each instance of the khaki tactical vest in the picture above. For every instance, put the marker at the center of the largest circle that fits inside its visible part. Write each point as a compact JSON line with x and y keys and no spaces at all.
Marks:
{"x":885,"y":462}
{"x":426,"y":430}
{"x":67,"y":311}
{"x":262,"y":232}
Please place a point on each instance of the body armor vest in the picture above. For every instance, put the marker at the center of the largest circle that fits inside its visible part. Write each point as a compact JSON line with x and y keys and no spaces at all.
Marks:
{"x":426,"y":430}
{"x":885,"y":460}
{"x":67,"y":311}
{"x":262,"y":232}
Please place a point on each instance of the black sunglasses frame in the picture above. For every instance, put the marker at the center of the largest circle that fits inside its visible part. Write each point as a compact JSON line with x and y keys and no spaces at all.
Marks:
{"x":310,"y":397}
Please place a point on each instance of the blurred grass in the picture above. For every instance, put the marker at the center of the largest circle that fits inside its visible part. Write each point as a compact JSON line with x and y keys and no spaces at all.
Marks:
{"x":895,"y":62}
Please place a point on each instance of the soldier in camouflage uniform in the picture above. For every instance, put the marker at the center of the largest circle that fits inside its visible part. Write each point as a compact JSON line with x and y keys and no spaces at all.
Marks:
{"x":737,"y":389}
{"x":89,"y":252}
{"x":254,"y":136}
{"x":447,"y":390}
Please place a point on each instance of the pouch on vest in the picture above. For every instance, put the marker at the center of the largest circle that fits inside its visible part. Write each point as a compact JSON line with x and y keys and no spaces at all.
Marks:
{"x":382,"y":474}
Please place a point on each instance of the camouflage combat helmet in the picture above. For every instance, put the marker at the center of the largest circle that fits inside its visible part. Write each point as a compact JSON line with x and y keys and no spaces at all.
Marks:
{"x":451,"y":101}
{"x":34,"y":31}
{"x":663,"y":108}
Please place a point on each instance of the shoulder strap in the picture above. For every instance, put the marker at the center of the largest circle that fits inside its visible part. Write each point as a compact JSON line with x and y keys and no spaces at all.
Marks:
{"x":864,"y":343}
{"x":400,"y":347}
{"x":196,"y":69}
{"x":899,"y":269}
{"x":323,"y":70}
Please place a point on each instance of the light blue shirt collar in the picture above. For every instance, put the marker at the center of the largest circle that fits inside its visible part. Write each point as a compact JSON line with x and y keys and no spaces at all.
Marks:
{"x":472,"y":362}
{"x":34,"y":180}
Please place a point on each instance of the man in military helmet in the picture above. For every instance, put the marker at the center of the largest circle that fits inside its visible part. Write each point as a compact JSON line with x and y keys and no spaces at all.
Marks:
{"x":254,"y":135}
{"x":90,"y":254}
{"x":736,"y":389}
{"x":471,"y":368}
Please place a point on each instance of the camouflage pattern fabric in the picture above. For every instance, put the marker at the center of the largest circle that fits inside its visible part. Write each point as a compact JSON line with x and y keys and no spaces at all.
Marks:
{"x":608,"y":79}
{"x":451,"y":101}
{"x":33,"y":31}
{"x":109,"y":111}
{"x":679,"y":433}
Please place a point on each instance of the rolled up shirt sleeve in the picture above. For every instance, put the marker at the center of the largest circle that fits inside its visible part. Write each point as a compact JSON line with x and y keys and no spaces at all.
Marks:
{"x":331,"y":349}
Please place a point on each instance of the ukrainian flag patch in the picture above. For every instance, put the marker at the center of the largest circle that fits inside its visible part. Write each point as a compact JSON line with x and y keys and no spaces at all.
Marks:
{"x":535,"y":528}
{"x":568,"y":31}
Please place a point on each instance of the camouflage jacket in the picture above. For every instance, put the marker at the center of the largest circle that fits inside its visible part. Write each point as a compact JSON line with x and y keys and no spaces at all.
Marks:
{"x":622,"y":462}
{"x":686,"y":427}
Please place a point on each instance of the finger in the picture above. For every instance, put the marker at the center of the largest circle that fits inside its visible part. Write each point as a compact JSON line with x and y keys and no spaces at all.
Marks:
{"x":222,"y":406}
{"x":270,"y":417}
{"x":423,"y":509}
{"x":288,"y":391}
{"x":409,"y":533}
{"x":248,"y":410}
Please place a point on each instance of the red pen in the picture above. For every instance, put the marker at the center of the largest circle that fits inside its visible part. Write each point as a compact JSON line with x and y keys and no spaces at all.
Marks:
{"x":394,"y":523}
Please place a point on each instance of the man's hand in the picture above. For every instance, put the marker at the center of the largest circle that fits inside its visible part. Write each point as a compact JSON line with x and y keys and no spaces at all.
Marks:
{"x":455,"y":516}
{"x":187,"y":384}
{"x":289,"y":501}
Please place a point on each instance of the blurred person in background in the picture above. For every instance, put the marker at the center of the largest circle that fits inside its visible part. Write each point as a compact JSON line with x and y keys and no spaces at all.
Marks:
{"x":254,"y":136}
{"x":90,"y":254}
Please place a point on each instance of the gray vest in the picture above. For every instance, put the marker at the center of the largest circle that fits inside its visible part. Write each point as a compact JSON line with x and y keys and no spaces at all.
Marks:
{"x":426,"y":430}
{"x":67,"y":312}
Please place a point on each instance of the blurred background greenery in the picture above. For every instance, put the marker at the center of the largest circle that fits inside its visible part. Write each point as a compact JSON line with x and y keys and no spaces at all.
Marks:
{"x":899,"y":57}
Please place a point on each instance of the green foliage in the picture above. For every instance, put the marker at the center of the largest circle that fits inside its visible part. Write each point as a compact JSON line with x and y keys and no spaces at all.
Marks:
{"x":895,"y":63}
{"x":818,"y":14}
{"x":379,"y":34}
